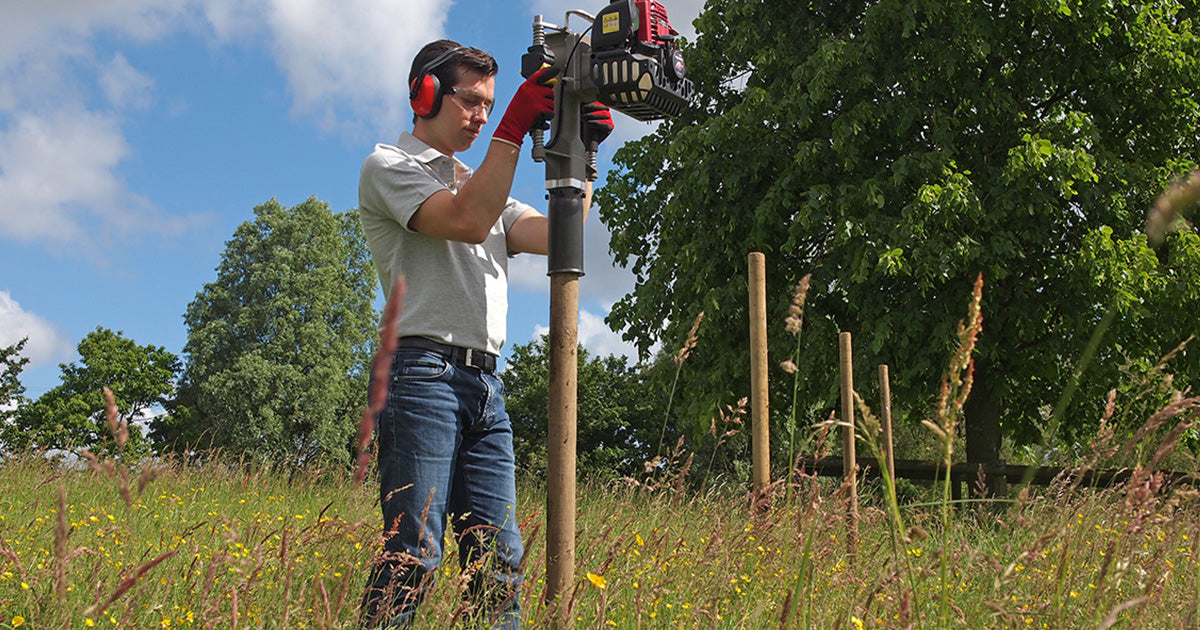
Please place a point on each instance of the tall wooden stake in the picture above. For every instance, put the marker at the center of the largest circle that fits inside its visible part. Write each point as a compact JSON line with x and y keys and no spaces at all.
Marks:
{"x":885,"y":394}
{"x":760,"y":427}
{"x":849,"y":457}
{"x":560,"y":484}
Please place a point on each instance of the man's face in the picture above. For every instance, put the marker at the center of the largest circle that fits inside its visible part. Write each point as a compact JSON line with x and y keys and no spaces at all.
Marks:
{"x":464,"y":112}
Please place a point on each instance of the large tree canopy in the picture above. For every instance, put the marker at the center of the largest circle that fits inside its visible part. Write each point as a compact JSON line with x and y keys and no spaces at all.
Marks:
{"x":278,"y":344}
{"x":72,"y":415}
{"x":895,"y":149}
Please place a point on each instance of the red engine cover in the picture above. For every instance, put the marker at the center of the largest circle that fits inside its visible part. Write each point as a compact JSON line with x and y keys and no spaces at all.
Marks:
{"x":654,"y":22}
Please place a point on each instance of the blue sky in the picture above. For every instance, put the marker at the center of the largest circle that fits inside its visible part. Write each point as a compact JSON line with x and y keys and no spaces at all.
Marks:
{"x":136,"y":135}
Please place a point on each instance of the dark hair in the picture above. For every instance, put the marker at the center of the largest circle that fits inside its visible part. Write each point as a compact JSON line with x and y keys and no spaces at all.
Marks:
{"x":447,"y":72}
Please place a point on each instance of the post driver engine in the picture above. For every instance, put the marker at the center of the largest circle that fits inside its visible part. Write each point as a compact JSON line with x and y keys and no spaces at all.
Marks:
{"x":630,"y":63}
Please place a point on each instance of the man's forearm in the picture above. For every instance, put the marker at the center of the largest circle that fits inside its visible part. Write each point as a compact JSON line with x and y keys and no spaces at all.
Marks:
{"x":482,"y":198}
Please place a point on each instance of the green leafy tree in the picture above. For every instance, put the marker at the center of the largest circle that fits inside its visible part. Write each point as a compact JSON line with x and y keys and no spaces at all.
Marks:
{"x":278,"y":344}
{"x":618,"y":416}
{"x":71,"y":416}
{"x":897,"y":148}
{"x":12,"y":392}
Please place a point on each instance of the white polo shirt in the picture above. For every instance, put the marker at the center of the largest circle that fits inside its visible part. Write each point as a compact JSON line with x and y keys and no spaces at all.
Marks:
{"x":457,"y":292}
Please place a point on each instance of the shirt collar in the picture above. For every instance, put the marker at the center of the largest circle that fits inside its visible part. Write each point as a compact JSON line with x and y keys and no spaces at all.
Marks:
{"x":426,"y":154}
{"x":417,"y":148}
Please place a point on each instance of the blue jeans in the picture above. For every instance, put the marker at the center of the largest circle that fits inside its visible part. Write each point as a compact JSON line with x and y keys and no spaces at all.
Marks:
{"x":445,"y":452}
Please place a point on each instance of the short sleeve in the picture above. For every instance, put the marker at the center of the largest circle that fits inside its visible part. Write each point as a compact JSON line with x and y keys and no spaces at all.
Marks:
{"x":513,"y":210}
{"x":394,"y":184}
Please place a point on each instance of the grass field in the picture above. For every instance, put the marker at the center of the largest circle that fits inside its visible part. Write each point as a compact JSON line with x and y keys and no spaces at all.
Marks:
{"x":216,"y":547}
{"x":167,"y":545}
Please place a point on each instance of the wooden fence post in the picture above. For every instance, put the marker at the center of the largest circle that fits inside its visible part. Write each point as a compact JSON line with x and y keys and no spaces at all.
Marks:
{"x":849,"y":459}
{"x":760,"y":428}
{"x":561,"y":437}
{"x":885,"y":394}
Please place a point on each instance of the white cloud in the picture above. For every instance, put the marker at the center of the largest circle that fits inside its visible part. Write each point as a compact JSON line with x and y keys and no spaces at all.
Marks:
{"x":602,"y":282}
{"x":234,"y":19}
{"x":345,"y":61}
{"x":31,"y":27}
{"x":82,"y":206}
{"x":626,"y":129}
{"x":123,"y":85}
{"x":337,"y":57}
{"x":596,"y":337}
{"x":46,"y":345}
{"x":42,"y":199}
{"x":352,"y":54}
{"x":528,"y":272}
{"x":58,"y":156}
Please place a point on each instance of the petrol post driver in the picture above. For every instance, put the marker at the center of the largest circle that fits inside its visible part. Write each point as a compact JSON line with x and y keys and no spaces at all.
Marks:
{"x":631,"y":64}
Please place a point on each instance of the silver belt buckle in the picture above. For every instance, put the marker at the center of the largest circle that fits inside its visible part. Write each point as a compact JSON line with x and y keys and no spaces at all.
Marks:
{"x":470,"y":357}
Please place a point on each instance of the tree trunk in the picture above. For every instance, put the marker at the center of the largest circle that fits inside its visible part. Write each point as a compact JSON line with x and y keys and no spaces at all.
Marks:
{"x":982,"y":417}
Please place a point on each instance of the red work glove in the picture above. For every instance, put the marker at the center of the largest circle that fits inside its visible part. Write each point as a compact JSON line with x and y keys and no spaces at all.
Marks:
{"x":597,"y":124}
{"x":533,"y":102}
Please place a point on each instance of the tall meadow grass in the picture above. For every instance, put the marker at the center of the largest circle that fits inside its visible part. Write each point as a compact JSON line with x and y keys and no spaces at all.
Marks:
{"x":220,"y":548}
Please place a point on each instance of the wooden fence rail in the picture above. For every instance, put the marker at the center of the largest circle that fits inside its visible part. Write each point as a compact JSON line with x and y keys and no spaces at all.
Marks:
{"x":968,"y":473}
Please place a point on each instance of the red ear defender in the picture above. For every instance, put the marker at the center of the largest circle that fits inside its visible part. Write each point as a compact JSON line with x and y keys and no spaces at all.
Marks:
{"x":425,"y":92}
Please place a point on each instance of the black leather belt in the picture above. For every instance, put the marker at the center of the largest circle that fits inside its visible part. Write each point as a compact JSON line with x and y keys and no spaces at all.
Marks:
{"x":461,"y":356}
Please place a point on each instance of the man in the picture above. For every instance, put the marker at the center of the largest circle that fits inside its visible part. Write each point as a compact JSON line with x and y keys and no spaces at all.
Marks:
{"x":445,"y":441}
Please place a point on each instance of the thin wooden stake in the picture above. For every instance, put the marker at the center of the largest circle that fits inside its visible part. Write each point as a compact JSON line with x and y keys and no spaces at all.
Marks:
{"x":849,"y":458}
{"x":760,"y":435}
{"x":885,"y":394}
{"x":561,"y":438}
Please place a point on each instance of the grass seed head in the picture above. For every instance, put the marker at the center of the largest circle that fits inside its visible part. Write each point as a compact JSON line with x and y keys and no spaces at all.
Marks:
{"x":688,"y":345}
{"x":1173,"y":208}
{"x":381,"y":367}
{"x":795,"y":317}
{"x":118,"y":428}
